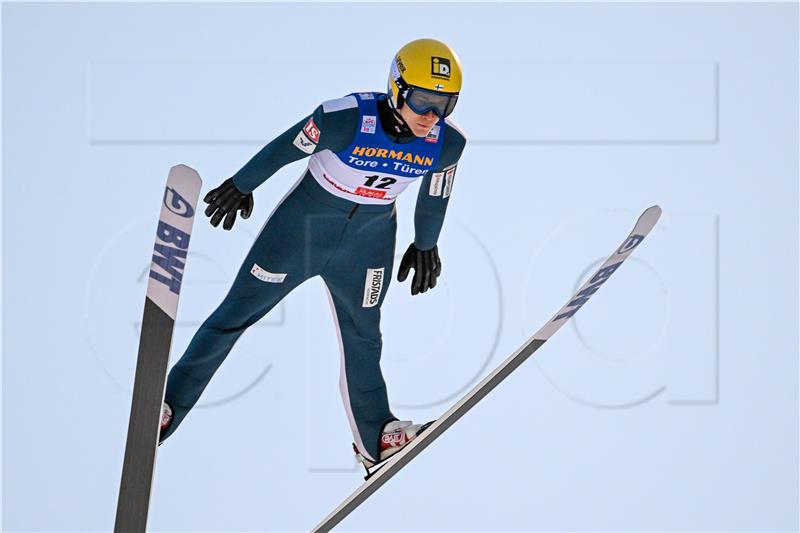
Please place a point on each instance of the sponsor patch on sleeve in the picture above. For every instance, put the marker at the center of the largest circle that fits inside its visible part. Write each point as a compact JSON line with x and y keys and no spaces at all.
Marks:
{"x":436,"y":184}
{"x":449,"y":178}
{"x":312,"y":130}
{"x":366,"y":96}
{"x":304,"y":143}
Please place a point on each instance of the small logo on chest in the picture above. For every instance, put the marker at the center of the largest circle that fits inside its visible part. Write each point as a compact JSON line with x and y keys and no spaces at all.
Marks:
{"x":368,"y":123}
{"x":433,"y":135}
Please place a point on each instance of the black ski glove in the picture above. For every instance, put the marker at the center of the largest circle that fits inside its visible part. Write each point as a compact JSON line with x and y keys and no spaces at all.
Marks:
{"x":427,"y":268}
{"x":224,"y":201}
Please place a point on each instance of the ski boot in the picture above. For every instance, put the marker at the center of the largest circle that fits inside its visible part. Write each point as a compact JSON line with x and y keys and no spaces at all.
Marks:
{"x":395,"y":436}
{"x":166,"y":421}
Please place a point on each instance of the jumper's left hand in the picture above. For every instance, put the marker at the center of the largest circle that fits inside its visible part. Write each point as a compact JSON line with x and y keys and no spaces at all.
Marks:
{"x":427,"y":268}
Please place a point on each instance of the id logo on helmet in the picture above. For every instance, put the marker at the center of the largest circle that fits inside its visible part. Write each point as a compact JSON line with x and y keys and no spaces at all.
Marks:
{"x":440,"y":67}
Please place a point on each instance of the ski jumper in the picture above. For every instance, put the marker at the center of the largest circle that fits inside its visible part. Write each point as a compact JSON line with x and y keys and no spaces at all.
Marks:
{"x":338,"y":222}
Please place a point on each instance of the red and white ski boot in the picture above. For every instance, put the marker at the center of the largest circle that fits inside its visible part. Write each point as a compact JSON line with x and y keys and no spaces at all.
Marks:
{"x":395,"y":436}
{"x":166,"y":420}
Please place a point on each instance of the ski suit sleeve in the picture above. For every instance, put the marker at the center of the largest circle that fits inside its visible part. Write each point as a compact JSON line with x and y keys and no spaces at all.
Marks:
{"x":435,"y":190}
{"x":299,"y":141}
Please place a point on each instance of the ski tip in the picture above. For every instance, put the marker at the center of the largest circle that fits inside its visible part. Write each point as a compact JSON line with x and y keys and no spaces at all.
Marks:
{"x":647,"y":220}
{"x":650,"y":215}
{"x":656,"y":209}
{"x":180,"y":167}
{"x":186,"y":172}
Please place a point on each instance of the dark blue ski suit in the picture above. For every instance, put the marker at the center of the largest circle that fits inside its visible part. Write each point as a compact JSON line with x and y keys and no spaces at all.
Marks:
{"x":337,"y":222}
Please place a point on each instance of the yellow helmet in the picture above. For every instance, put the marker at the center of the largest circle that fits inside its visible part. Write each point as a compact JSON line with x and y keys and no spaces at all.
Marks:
{"x":426,"y":75}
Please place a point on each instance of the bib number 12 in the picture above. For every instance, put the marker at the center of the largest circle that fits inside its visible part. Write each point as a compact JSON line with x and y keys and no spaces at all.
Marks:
{"x":385,"y":182}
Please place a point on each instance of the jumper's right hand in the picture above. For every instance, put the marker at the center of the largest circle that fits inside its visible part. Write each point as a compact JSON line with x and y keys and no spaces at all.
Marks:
{"x":224,"y":201}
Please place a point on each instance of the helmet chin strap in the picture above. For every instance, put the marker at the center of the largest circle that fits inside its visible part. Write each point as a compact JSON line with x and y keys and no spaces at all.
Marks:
{"x":398,"y":124}
{"x":403,"y":124}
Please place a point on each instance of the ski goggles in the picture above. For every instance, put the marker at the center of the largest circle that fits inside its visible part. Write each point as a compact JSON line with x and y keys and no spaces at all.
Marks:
{"x":423,"y":100}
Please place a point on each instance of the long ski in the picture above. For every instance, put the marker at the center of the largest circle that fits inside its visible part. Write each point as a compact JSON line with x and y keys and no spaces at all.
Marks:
{"x":160,"y":307}
{"x":374,"y":481}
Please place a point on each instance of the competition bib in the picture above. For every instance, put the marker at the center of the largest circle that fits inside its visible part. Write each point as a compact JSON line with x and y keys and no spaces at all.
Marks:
{"x":373,"y":169}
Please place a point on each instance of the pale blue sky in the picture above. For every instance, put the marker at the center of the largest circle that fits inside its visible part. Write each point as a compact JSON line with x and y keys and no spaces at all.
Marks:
{"x":670,"y":403}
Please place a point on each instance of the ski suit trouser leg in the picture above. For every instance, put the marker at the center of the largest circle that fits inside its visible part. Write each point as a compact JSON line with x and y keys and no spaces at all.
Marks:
{"x":357,"y":278}
{"x":280,"y":248}
{"x":310,"y":233}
